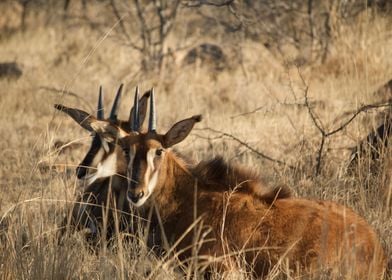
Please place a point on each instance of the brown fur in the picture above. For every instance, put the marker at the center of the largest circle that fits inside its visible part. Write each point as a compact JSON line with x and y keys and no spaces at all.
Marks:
{"x":218,"y":175}
{"x":312,"y":235}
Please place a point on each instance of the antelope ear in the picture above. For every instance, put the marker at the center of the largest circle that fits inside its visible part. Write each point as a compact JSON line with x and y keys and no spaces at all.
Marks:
{"x":108,"y":132}
{"x":81,"y":117}
{"x":179,"y":131}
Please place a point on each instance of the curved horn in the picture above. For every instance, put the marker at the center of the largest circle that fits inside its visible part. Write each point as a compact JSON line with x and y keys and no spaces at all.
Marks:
{"x":116,"y":104}
{"x":100,"y":110}
{"x":135,"y":117}
{"x":152,"y":119}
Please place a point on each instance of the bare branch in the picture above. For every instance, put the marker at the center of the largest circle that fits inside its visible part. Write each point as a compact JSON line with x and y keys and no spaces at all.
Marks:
{"x":119,"y":18}
{"x":320,"y":155}
{"x":324,"y":133}
{"x":67,"y":92}
{"x":198,"y":3}
{"x":248,"y":113}
{"x":311,"y":114}
{"x":246,"y":145}
{"x":363,"y":108}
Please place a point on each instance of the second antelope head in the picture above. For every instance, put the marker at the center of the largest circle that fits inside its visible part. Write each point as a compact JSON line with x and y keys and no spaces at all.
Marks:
{"x":97,"y":148}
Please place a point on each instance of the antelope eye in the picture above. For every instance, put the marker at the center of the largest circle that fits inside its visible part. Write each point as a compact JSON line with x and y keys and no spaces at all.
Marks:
{"x":126,"y":152}
{"x":158,"y":152}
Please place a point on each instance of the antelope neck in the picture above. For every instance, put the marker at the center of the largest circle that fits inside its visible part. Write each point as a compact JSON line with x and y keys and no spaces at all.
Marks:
{"x":175,"y":181}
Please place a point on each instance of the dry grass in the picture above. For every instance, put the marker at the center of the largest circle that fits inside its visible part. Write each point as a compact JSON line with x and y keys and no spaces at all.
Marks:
{"x":37,"y":179}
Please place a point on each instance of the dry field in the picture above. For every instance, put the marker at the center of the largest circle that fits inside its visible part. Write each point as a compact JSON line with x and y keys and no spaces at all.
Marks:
{"x":251,"y":108}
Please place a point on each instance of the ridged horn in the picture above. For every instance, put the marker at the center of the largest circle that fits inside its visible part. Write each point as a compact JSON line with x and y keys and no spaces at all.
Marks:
{"x":152,"y":119}
{"x":135,"y":117}
{"x":116,"y":104}
{"x":100,"y":110}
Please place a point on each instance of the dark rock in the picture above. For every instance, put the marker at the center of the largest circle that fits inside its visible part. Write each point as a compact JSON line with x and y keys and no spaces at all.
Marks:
{"x":207,"y":54}
{"x":10,"y":70}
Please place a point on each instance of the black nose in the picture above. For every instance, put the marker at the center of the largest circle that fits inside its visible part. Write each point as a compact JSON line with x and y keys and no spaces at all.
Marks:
{"x":81,"y":172}
{"x":136,"y":197}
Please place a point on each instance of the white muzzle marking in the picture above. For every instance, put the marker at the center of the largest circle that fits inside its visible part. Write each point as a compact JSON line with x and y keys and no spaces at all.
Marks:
{"x":150,"y":177}
{"x":105,"y":168}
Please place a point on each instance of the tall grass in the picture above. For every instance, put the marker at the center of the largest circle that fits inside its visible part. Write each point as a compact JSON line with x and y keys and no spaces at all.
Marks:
{"x":260,"y":103}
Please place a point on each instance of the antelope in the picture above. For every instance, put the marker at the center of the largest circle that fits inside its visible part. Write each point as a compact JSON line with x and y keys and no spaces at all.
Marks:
{"x":101,"y":173}
{"x":266,"y":229}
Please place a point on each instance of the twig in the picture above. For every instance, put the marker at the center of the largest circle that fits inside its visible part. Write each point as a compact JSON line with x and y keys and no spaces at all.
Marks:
{"x":248,"y":113}
{"x":376,"y":105}
{"x":67,"y":92}
{"x":311,"y":113}
{"x":120,"y":19}
{"x":246,"y":145}
{"x":229,"y":4}
{"x":324,"y":133}
{"x":364,"y":108}
{"x":198,"y":3}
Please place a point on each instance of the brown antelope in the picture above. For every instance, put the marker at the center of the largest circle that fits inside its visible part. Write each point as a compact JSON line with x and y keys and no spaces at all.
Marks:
{"x":265,"y":229}
{"x":102,"y":173}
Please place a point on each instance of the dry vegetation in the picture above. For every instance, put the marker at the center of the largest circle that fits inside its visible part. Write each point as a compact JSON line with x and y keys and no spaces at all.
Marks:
{"x":253,"y":105}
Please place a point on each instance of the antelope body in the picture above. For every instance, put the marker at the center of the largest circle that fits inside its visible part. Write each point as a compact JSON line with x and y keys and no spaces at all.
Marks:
{"x":312,"y":235}
{"x":265,"y":226}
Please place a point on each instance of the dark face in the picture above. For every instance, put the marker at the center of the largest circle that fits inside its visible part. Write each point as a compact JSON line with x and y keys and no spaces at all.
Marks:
{"x":109,"y":160}
{"x":98,"y":152}
{"x":92,"y":158}
{"x":145,"y":157}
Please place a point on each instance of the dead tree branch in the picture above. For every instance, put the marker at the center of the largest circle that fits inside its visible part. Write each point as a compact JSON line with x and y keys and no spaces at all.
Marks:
{"x":325,"y":133}
{"x":364,"y":109}
{"x":152,"y":22}
{"x":198,"y":3}
{"x":67,"y":92}
{"x":223,"y":134}
{"x":248,"y":113}
{"x":229,"y":4}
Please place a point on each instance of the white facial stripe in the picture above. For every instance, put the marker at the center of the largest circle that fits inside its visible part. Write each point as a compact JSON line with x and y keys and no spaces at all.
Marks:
{"x":151,"y":180}
{"x":98,"y":157}
{"x":106,"y":168}
{"x":90,"y":177}
{"x":150,"y":188}
{"x":150,"y":160}
{"x":152,"y":183}
{"x":130,"y":164}
{"x":105,"y":145}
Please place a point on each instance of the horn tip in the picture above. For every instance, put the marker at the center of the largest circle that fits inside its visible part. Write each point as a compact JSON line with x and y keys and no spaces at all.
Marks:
{"x":120,"y":87}
{"x":59,"y":107}
{"x":197,"y":118}
{"x":147,"y":93}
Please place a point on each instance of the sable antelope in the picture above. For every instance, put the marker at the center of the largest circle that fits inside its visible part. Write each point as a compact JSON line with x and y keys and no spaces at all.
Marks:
{"x":265,"y":229}
{"x":102,"y":172}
